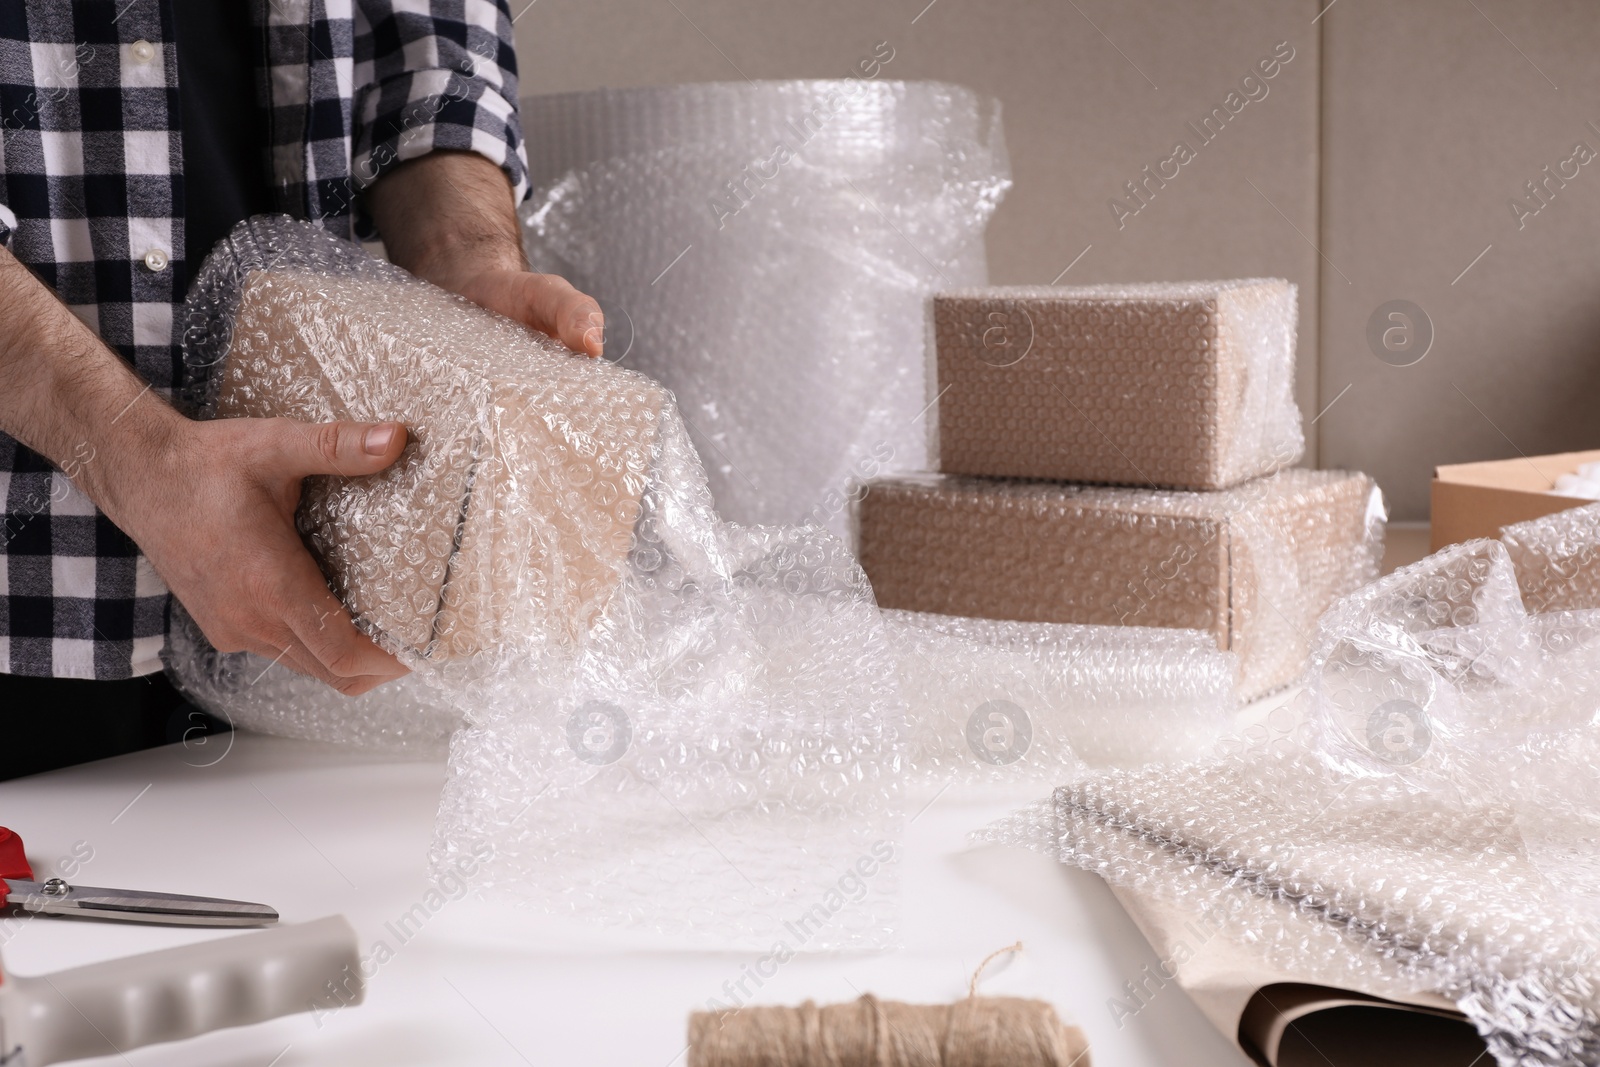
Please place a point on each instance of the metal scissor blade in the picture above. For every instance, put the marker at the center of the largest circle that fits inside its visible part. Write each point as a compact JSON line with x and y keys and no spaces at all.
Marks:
{"x":123,"y":905}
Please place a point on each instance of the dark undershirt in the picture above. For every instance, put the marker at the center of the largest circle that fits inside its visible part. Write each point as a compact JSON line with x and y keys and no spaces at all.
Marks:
{"x":224,"y":148}
{"x":59,"y":722}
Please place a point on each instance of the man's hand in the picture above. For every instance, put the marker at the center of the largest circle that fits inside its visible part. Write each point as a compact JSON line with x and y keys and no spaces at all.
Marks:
{"x":448,"y":217}
{"x":547,"y":302}
{"x":210,"y":503}
{"x":213,"y":507}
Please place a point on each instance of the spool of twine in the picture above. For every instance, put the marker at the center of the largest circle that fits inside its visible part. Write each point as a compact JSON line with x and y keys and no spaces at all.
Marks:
{"x":974,"y":1032}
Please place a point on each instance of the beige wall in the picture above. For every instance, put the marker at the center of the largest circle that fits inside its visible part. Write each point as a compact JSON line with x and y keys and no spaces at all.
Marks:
{"x":1435,"y":115}
{"x":1427,"y":122}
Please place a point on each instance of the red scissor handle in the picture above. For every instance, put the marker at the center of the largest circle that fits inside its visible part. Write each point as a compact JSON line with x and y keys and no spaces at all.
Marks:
{"x":13,"y":863}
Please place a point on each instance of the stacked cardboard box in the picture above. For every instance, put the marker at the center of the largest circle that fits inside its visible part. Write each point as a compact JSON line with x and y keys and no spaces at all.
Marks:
{"x":1177,"y":399}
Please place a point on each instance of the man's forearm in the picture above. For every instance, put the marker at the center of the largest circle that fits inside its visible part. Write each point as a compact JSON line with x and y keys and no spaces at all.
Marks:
{"x":447,"y":214}
{"x":449,"y":218}
{"x":67,"y":396}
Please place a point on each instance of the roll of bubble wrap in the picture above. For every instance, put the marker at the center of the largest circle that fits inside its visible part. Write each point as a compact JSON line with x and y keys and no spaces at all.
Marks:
{"x":1427,"y":828}
{"x":1557,"y":558}
{"x":1020,"y":705}
{"x":669,"y":721}
{"x":1254,"y":565}
{"x":1186,"y":385}
{"x":766,"y":250}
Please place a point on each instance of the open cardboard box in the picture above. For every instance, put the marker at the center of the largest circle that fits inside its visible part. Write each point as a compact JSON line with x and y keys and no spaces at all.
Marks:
{"x":1475,"y":499}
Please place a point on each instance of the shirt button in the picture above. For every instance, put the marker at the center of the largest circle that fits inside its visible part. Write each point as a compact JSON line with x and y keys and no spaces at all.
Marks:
{"x":143,"y":51}
{"x":156,"y":260}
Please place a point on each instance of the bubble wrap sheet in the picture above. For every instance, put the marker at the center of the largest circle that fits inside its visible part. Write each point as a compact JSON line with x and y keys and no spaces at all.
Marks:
{"x":1557,"y":558}
{"x":1186,"y":385}
{"x":1011,"y":706}
{"x":766,"y":250}
{"x":1255,"y":565}
{"x":1430,"y":826}
{"x":669,"y":721}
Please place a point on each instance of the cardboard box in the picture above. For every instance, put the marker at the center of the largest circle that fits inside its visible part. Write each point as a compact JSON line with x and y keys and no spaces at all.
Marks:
{"x":1472,"y":500}
{"x":1254,"y":565}
{"x":1175,"y":384}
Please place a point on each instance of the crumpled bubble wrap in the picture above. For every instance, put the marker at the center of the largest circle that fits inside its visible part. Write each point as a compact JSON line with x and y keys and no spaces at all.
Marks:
{"x":1013,"y":706}
{"x":766,"y":250}
{"x":1445,"y":637}
{"x":1255,"y":565}
{"x":670,"y":722}
{"x":1184,"y":385}
{"x":1557,"y":561}
{"x":1429,"y":827}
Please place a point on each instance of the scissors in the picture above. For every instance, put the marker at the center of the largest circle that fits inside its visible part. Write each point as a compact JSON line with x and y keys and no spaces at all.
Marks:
{"x":54,"y":896}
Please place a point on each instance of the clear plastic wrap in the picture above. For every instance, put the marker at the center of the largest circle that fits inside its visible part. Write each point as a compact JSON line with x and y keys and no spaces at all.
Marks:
{"x":1430,"y":826}
{"x":766,"y":250}
{"x":1255,"y":565}
{"x":1021,"y":705}
{"x":669,"y":721}
{"x":1557,"y":559}
{"x":1177,"y":384}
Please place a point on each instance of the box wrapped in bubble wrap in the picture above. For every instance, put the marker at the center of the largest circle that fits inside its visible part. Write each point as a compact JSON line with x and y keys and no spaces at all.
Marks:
{"x":1184,"y":385}
{"x":1428,"y":829}
{"x":766,"y":250}
{"x":665,"y":721}
{"x":1018,"y":706}
{"x":1557,"y":558}
{"x":479,"y":567}
{"x":1254,"y":565}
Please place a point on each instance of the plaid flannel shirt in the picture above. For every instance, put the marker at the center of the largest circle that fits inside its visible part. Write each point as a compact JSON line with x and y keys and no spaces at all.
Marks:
{"x":92,"y":199}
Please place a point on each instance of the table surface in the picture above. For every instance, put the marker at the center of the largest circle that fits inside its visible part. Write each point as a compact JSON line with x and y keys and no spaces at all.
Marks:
{"x":316,"y":830}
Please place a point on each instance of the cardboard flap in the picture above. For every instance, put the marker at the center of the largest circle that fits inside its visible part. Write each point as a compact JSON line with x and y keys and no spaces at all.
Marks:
{"x":1473,"y":500}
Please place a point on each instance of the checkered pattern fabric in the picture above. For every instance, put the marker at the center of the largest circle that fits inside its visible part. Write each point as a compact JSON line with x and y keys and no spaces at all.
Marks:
{"x":92,"y":199}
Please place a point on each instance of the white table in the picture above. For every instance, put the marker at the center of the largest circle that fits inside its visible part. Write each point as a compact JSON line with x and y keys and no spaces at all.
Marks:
{"x":316,"y":830}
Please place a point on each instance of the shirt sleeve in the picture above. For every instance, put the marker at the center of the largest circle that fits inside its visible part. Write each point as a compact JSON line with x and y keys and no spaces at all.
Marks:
{"x":8,"y":225}
{"x":435,"y":74}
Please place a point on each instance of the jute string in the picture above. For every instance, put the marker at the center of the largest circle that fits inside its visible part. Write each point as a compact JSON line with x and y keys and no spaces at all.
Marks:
{"x":974,"y":1032}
